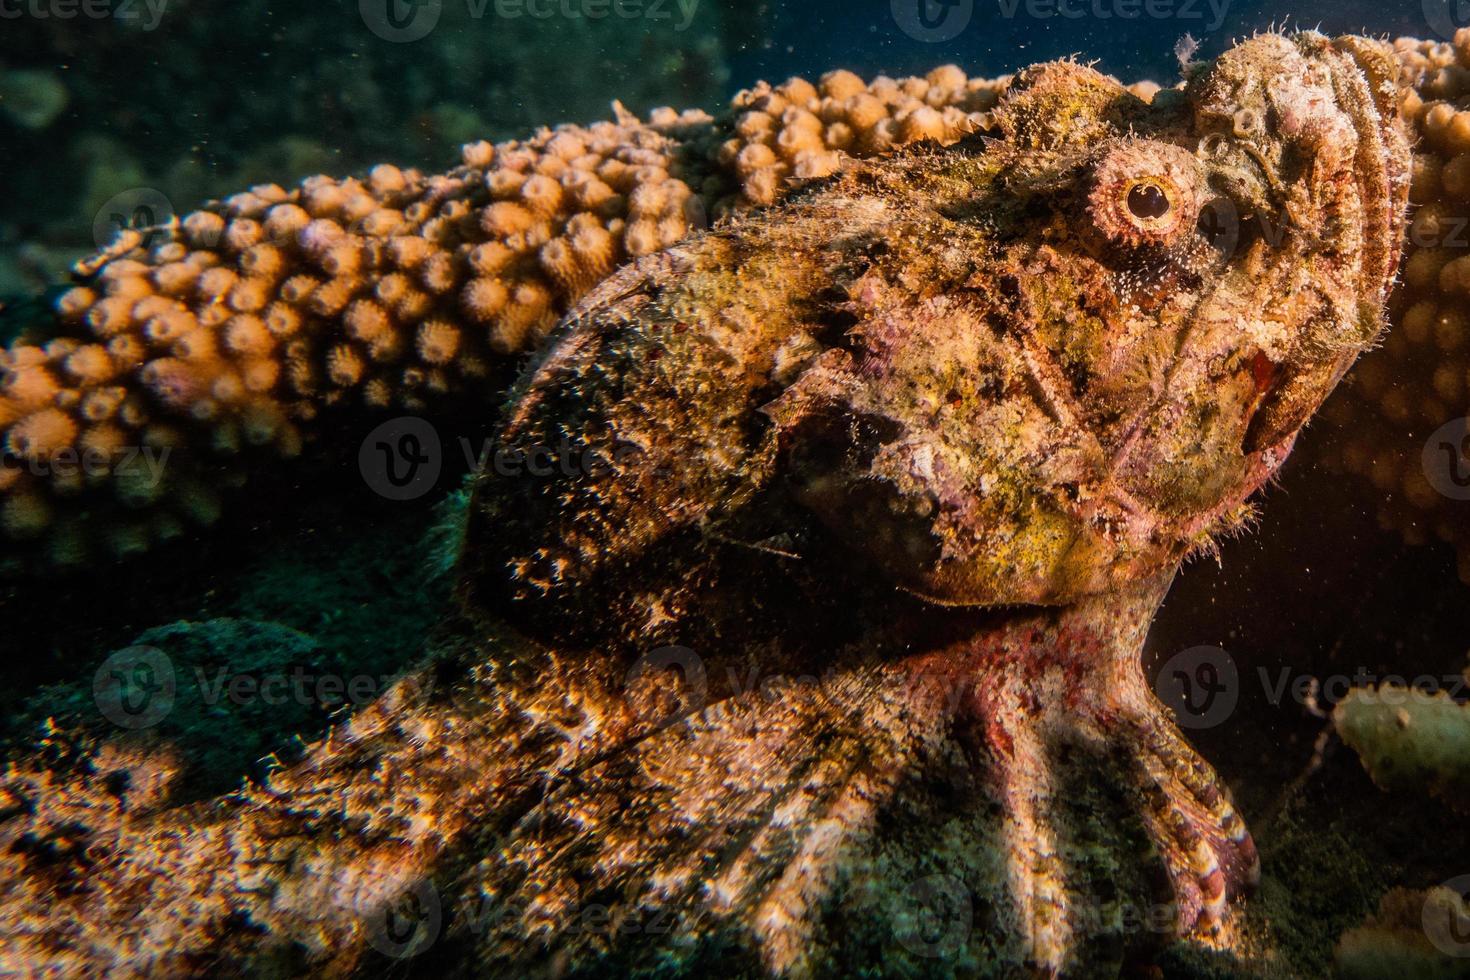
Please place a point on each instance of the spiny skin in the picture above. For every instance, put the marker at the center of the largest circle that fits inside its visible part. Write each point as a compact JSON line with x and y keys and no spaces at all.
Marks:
{"x":806,"y":437}
{"x":1016,"y":374}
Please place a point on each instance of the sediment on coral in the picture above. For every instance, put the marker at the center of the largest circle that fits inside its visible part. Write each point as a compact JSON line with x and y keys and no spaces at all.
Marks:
{"x":190,"y":354}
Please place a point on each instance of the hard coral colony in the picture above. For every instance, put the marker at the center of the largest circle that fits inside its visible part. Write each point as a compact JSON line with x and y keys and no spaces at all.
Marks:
{"x":223,"y":342}
{"x":1018,"y":377}
{"x":1420,"y":380}
{"x":229,"y":339}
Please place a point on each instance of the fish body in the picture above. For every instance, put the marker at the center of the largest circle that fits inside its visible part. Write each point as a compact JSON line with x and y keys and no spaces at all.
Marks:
{"x":800,"y":613}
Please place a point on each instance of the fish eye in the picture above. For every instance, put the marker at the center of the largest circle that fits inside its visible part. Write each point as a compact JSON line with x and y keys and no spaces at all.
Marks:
{"x":1147,"y":201}
{"x":1144,"y":193}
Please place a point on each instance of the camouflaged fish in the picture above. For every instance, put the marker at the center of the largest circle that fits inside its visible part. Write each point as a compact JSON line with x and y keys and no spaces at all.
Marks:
{"x":824,"y":657}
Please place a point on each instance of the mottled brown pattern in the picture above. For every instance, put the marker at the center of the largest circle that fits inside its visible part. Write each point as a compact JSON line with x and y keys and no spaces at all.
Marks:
{"x":906,"y":464}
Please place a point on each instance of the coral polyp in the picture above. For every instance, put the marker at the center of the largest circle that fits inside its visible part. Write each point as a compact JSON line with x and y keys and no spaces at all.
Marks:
{"x":222,"y":338}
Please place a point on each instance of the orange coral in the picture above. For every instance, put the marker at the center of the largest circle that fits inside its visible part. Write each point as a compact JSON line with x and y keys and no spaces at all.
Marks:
{"x":1398,"y":397}
{"x":229,"y":334}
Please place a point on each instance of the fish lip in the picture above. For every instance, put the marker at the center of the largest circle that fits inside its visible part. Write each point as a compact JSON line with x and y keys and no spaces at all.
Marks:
{"x":1262,"y":429}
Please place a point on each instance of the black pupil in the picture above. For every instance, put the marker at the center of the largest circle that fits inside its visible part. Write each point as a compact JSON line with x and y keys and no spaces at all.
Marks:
{"x":1148,"y":202}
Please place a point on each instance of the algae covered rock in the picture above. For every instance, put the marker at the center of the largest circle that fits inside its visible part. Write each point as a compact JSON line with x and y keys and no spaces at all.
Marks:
{"x":1410,"y":739}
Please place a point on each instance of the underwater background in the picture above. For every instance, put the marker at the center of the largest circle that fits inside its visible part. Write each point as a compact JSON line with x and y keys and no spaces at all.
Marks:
{"x":139,"y":110}
{"x":195,"y":99}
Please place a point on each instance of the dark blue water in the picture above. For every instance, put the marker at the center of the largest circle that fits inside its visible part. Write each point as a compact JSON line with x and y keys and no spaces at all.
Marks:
{"x":1133,"y":39}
